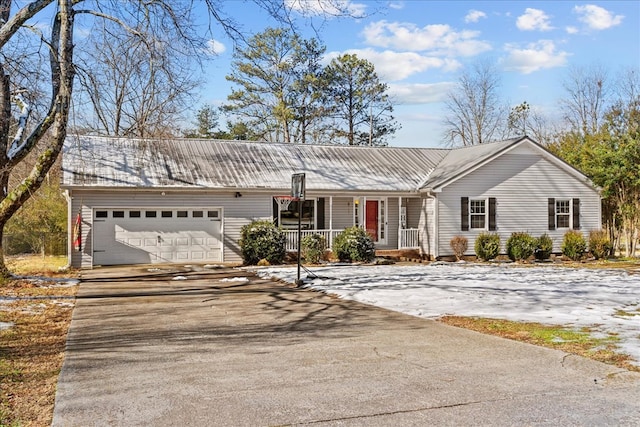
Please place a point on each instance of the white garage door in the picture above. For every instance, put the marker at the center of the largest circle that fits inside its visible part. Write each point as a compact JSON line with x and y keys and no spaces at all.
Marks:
{"x":141,"y":236}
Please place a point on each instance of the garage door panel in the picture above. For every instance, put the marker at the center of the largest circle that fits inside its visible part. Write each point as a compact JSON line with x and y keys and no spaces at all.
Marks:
{"x":140,"y":239}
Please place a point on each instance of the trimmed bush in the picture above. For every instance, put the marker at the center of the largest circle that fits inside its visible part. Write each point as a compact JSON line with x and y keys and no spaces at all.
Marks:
{"x":354,"y":244}
{"x":573,"y":245}
{"x":520,"y":246}
{"x":262,"y":240}
{"x":544,"y":247}
{"x":459,"y":245}
{"x":487,"y":246}
{"x":313,"y":246}
{"x":599,"y":244}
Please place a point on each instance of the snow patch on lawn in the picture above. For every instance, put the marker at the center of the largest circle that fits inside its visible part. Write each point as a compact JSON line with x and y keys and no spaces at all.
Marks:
{"x":608,"y":301}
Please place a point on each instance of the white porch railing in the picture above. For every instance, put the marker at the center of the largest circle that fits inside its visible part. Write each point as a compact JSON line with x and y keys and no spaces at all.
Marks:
{"x":408,"y":238}
{"x":292,"y":237}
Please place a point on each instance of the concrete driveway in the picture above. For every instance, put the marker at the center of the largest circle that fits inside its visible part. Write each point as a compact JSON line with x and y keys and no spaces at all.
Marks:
{"x":223,"y":347}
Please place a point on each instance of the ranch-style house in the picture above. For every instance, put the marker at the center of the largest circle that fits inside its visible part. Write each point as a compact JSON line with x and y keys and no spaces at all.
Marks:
{"x":134,"y":201}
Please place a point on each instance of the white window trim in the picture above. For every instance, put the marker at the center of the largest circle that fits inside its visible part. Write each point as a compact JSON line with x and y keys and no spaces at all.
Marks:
{"x":486,"y":213}
{"x":570,"y":213}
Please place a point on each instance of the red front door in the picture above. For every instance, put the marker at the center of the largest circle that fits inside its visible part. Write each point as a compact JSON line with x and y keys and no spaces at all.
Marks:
{"x":371,"y":222}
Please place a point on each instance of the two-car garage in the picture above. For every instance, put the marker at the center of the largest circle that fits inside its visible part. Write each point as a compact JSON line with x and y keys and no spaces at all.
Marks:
{"x":156,"y":235}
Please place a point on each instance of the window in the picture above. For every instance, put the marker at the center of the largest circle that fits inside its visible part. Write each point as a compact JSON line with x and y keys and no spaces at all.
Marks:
{"x":181,"y":214}
{"x":134,"y":214}
{"x":118,"y":214}
{"x":477,"y":213}
{"x":166,"y":214}
{"x":289,"y":217}
{"x":102,"y":214}
{"x":356,"y":212}
{"x":212,"y":214}
{"x":150,"y":214}
{"x":563,"y":214}
{"x":197,"y":214}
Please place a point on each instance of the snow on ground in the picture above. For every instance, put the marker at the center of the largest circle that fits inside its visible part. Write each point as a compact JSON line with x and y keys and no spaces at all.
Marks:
{"x":608,"y":301}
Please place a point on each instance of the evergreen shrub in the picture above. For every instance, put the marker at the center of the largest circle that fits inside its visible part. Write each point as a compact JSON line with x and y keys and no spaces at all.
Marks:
{"x":573,"y":245}
{"x":354,"y":244}
{"x":313,"y":247}
{"x":544,"y":247}
{"x":262,"y":240}
{"x":520,"y":246}
{"x":487,"y":246}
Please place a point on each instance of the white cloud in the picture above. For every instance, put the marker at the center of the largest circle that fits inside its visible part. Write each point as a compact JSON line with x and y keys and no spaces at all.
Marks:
{"x":474,"y":16}
{"x":394,"y":66}
{"x":420,"y":93}
{"x":327,"y":8}
{"x":439,"y":39}
{"x":534,"y":57}
{"x":533,"y":19}
{"x":571,"y":30}
{"x":214,"y":47}
{"x":596,"y":17}
{"x":396,"y":5}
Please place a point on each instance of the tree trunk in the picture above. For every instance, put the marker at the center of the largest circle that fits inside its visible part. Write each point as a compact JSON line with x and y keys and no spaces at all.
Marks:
{"x":4,"y":271}
{"x":62,"y":74}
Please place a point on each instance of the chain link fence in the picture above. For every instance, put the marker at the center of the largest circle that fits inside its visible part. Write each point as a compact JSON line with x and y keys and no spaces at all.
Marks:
{"x":35,"y":243}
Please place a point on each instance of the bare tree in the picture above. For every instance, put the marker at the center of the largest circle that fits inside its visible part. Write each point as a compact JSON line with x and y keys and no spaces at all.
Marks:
{"x":133,"y":86}
{"x":587,"y":91}
{"x":525,"y":120}
{"x":37,"y":60}
{"x":475,"y":114}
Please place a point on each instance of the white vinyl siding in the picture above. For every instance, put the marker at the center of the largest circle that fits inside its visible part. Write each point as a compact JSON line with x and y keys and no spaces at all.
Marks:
{"x":426,"y":225}
{"x":342,"y":212}
{"x":521,"y":180}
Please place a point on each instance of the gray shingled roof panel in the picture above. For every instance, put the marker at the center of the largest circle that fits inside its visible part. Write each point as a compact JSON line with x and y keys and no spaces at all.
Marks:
{"x":90,"y":161}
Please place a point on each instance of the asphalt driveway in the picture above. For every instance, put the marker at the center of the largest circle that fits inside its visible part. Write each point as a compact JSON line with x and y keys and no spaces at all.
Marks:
{"x":192,"y":346}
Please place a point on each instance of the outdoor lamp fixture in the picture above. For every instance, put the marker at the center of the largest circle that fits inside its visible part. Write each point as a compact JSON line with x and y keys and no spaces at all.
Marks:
{"x":238,"y":194}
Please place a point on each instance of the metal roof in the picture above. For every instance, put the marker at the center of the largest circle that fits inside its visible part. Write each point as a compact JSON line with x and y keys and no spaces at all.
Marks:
{"x":94,"y":162}
{"x":108,"y":162}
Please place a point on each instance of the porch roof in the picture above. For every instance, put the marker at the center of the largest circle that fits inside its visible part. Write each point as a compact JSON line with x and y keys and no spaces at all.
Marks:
{"x":98,"y":162}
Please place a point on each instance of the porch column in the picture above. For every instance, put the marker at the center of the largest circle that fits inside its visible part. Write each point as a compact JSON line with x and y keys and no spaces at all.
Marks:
{"x":330,"y":242}
{"x":400,"y":242}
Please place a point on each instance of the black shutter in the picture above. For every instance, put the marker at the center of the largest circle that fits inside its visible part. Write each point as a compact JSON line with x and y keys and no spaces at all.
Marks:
{"x":275,"y":211}
{"x":576,"y":214}
{"x":492,"y":213}
{"x":552,"y":214}
{"x":464,"y":214}
{"x":320,"y":213}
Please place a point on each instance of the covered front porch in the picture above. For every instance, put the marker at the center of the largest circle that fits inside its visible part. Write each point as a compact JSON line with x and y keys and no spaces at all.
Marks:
{"x":391,"y":221}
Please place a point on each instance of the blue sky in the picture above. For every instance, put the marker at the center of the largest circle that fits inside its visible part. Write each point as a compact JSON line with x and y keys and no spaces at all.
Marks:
{"x":420,"y":47}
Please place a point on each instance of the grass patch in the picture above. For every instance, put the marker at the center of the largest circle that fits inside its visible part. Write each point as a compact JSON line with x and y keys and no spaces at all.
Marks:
{"x":36,"y":265}
{"x":32,"y":350}
{"x":569,"y":340}
{"x":623,"y":313}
